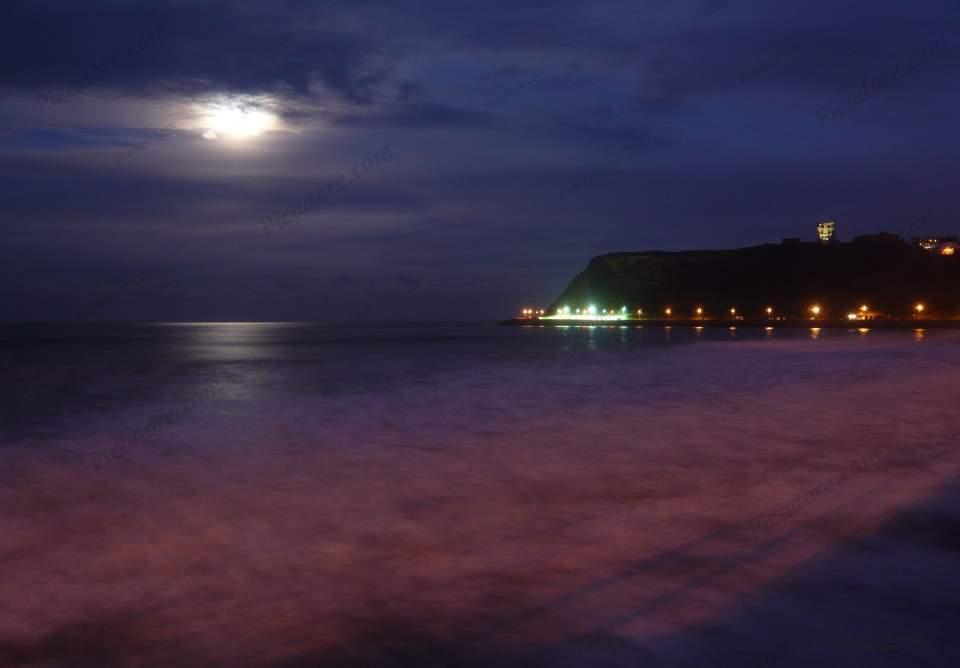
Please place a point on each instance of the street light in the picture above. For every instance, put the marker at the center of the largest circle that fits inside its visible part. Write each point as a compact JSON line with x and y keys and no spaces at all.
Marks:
{"x":769,"y":311}
{"x":815,"y":310}
{"x":699,"y":311}
{"x":668,"y":311}
{"x":919,"y":308}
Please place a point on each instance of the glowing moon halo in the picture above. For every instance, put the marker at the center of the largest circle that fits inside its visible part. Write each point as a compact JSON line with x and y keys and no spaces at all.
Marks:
{"x":236,"y":122}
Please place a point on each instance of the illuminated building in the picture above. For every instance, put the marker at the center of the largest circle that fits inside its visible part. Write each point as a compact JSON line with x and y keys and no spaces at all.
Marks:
{"x":864,"y":312}
{"x":587,"y":313}
{"x":942,"y":244}
{"x":826,"y":231}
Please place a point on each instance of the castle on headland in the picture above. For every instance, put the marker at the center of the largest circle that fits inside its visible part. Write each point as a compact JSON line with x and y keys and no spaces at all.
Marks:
{"x":826,"y":231}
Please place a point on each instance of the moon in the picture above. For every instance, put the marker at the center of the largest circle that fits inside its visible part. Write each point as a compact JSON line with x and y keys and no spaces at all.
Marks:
{"x":236,"y":122}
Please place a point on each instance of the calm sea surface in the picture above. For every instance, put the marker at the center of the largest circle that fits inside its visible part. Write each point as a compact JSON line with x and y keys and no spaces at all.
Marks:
{"x":474,"y":495}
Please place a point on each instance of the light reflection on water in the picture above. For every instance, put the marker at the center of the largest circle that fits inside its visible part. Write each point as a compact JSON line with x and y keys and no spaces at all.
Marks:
{"x":470,"y":490}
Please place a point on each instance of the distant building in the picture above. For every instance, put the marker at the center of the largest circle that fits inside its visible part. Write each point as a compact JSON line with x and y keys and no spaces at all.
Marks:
{"x":826,"y":231}
{"x":944,"y":244}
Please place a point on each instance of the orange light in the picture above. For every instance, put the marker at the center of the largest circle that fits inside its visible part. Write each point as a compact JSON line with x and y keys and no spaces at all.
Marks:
{"x":919,"y":308}
{"x":668,"y":311}
{"x":815,"y":310}
{"x":769,"y":310}
{"x":699,"y":311}
{"x":947,"y":250}
{"x":733,"y":311}
{"x":864,"y":308}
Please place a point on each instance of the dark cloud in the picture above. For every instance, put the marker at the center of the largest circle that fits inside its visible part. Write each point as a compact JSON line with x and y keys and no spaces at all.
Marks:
{"x":156,"y":46}
{"x":427,"y":115}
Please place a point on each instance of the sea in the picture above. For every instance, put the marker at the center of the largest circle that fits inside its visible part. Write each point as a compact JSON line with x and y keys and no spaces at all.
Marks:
{"x":465,"y":494}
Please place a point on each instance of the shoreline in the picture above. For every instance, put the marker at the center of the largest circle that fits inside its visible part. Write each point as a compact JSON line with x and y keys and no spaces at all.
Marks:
{"x":911,"y":323}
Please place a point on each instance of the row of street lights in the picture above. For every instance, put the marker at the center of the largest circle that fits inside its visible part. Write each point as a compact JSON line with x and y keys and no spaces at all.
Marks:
{"x":816,"y":311}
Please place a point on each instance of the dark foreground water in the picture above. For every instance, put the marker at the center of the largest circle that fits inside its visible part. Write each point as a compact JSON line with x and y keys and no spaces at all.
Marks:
{"x":296,"y":495}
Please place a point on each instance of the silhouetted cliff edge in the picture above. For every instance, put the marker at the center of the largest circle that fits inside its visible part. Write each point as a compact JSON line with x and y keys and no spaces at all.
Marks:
{"x":889,"y":276}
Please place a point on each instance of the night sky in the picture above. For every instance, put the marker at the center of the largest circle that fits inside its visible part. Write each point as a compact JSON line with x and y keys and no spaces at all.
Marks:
{"x":340,"y":161}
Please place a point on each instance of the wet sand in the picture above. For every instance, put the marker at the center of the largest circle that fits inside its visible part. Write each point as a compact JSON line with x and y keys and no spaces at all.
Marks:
{"x":743,"y":503}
